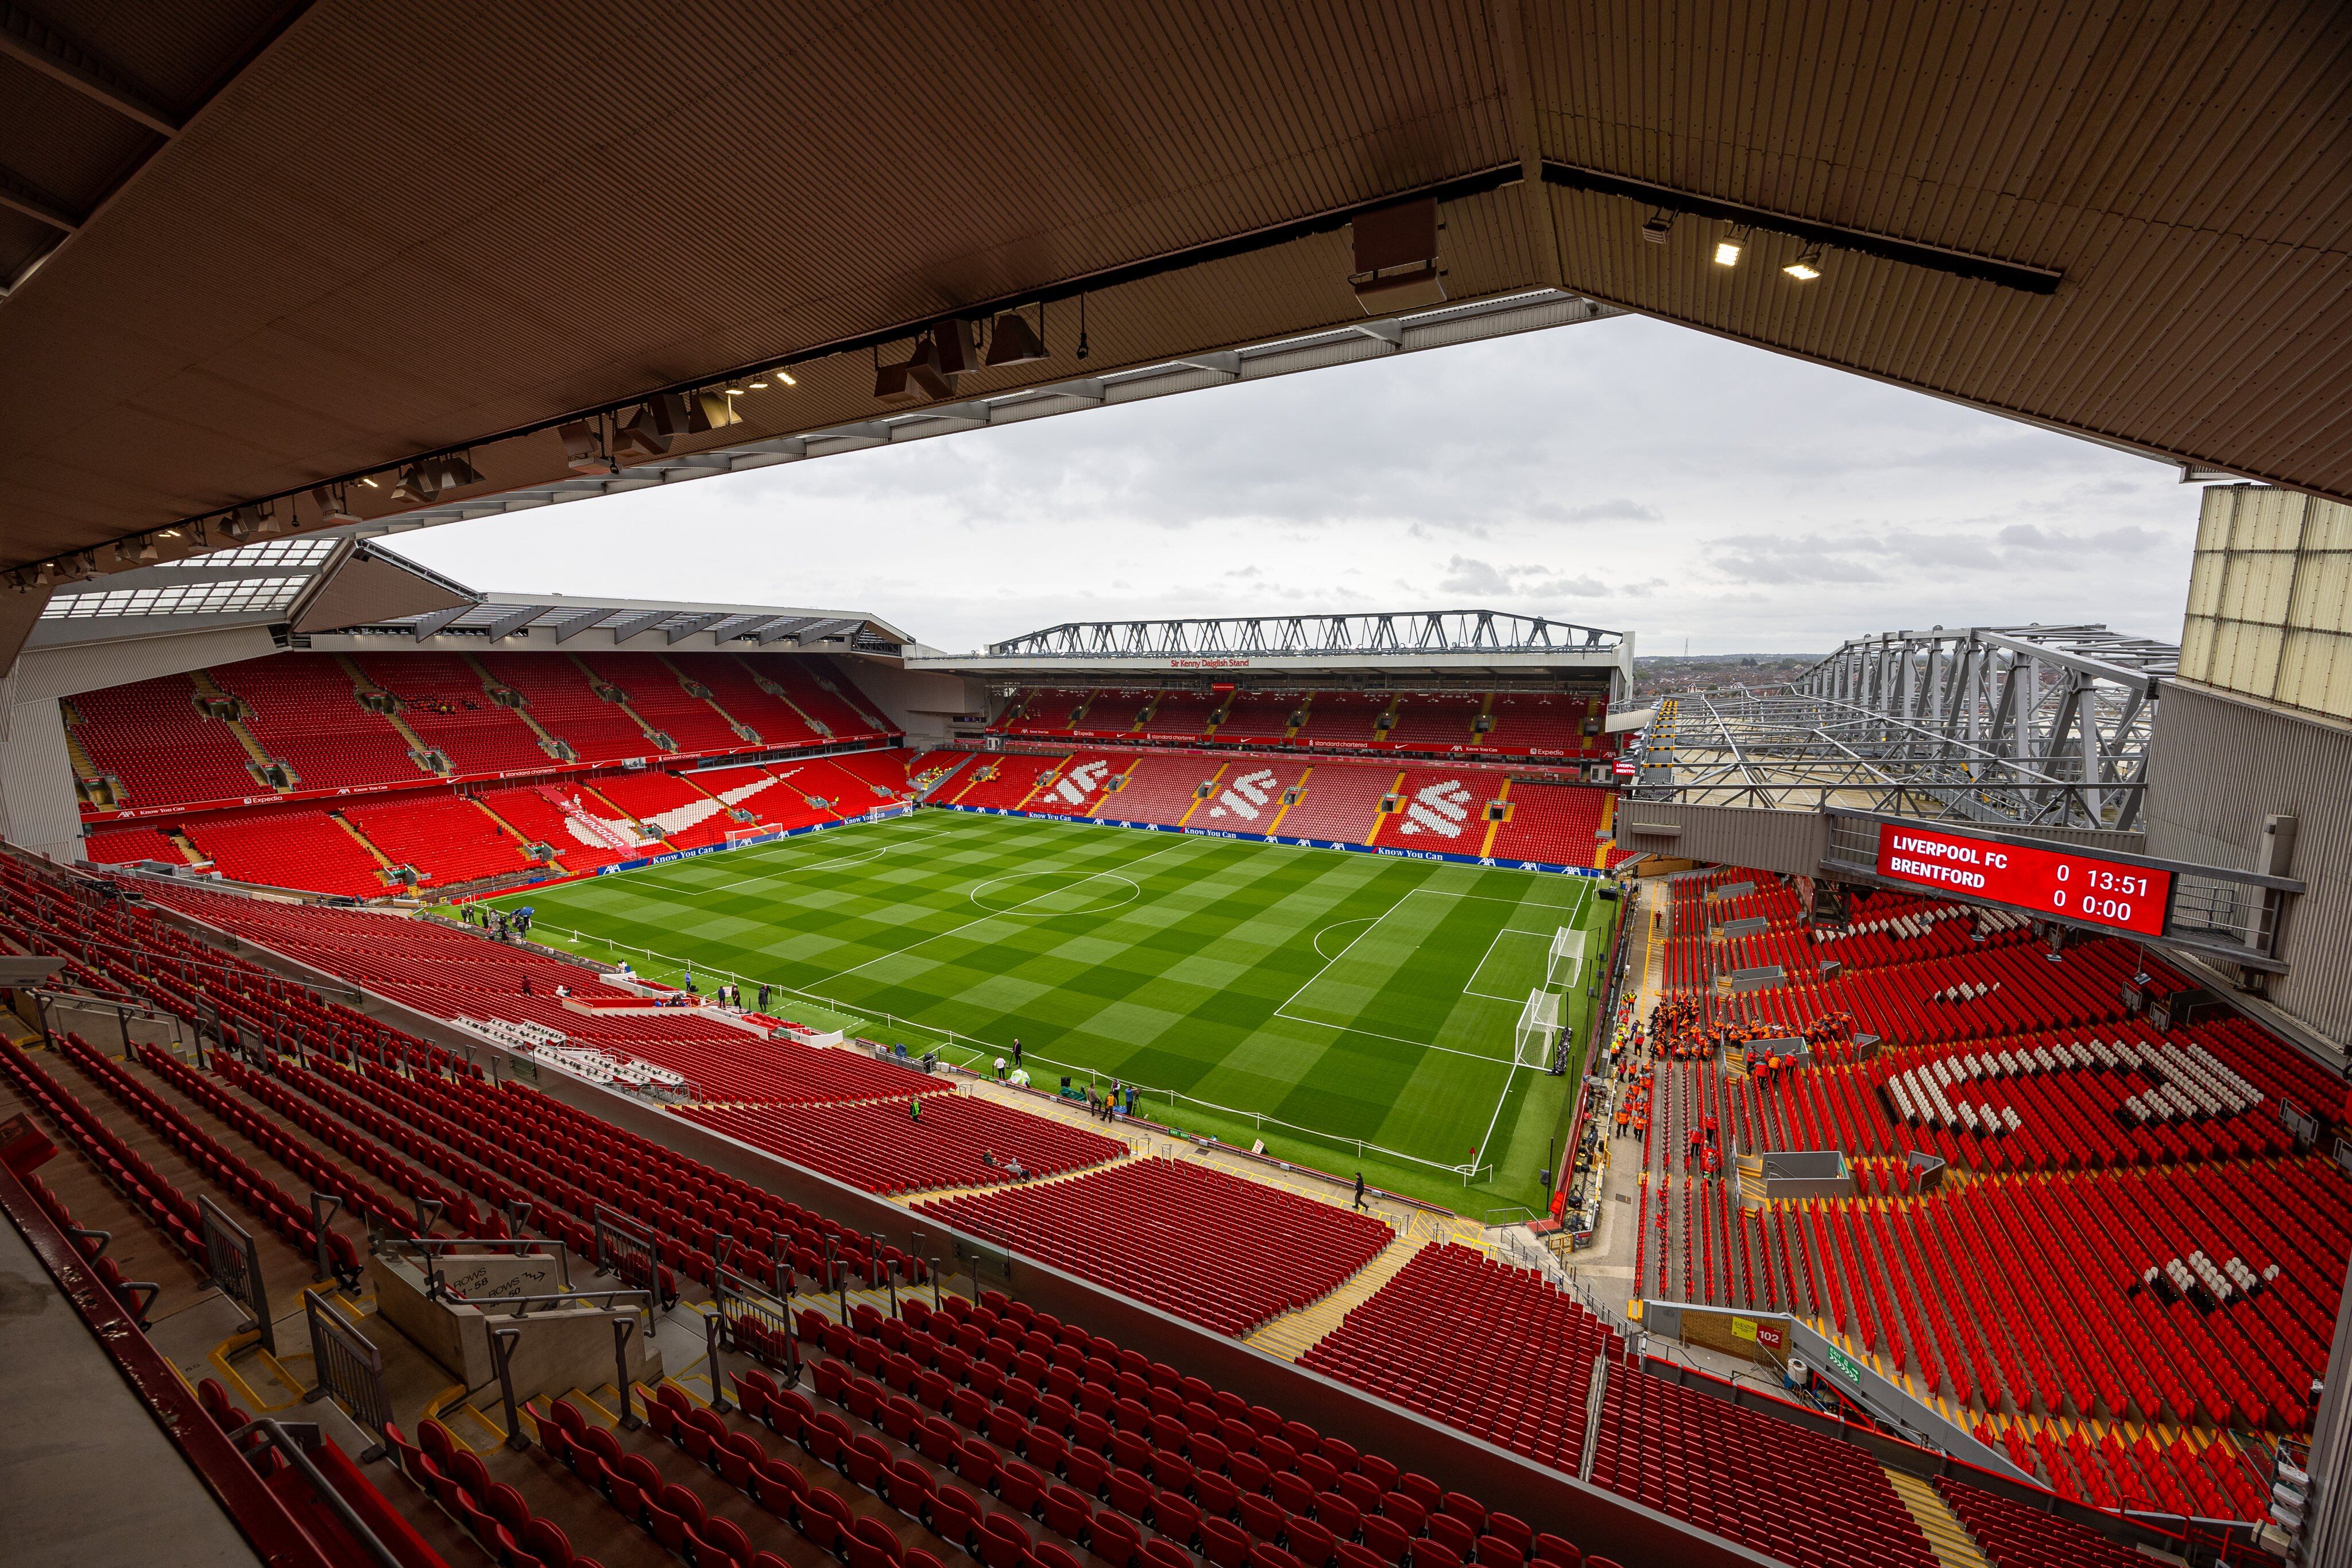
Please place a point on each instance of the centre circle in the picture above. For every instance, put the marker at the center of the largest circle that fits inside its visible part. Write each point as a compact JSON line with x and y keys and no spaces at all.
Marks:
{"x":1043,"y":895}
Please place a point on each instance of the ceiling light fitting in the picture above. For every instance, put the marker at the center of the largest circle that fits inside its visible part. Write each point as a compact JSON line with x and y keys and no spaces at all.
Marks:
{"x":1658,"y":225}
{"x":1808,"y":265}
{"x":1727,"y":248}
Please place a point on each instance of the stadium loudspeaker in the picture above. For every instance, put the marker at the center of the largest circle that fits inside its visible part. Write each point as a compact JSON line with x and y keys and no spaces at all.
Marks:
{"x":584,"y":447}
{"x":708,"y":410}
{"x":1013,"y":341}
{"x":333,"y":505}
{"x":953,"y":350}
{"x":642,"y":435}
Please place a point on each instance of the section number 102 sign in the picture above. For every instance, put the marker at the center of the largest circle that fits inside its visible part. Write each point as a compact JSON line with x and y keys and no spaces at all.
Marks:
{"x":2044,"y":882}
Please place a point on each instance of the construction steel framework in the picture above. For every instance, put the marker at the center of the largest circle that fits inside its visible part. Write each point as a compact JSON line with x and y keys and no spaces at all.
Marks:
{"x":2041,"y":725}
{"x":1280,"y":636}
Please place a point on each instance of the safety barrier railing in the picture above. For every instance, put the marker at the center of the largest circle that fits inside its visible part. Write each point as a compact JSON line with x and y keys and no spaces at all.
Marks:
{"x":349,"y":1370}
{"x":233,"y":1266}
{"x":293,"y":1442}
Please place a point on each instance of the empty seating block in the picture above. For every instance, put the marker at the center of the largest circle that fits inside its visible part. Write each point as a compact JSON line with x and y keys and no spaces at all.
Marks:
{"x":657,"y":694}
{"x":1192,"y":1240}
{"x":886,"y":1147}
{"x":288,"y":846}
{"x":121,"y":846}
{"x":1494,"y":1351}
{"x":442,"y":699}
{"x":151,"y":736}
{"x":304,"y":709}
{"x":1339,"y":800}
{"x":562,"y":695}
{"x":447,"y":837}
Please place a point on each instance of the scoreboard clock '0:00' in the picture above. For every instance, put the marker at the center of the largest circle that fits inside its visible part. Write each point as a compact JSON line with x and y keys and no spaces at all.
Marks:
{"x":2070,"y":886}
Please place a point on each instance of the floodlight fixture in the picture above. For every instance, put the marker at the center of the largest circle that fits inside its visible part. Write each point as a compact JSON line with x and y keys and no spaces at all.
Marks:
{"x":1808,"y":265}
{"x":1727,"y":248}
{"x":1658,"y":225}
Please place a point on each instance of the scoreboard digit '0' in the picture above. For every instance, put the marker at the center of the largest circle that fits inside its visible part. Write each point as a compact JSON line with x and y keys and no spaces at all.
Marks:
{"x":2032,"y":881}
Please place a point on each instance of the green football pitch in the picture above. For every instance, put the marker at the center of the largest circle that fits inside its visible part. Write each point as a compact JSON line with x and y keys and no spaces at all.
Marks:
{"x":1355,"y":1011}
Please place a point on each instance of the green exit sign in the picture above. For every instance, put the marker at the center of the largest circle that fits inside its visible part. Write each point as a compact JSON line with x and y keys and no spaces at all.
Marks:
{"x":1844,"y":1366}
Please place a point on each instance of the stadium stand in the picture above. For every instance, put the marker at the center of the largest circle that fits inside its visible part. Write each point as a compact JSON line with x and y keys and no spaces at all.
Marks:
{"x":884,"y":774}
{"x":1006,"y":782}
{"x":561,"y":695}
{"x":446,"y":700}
{"x":303,"y":847}
{"x":137,"y":841}
{"x":304,"y":709}
{"x":1337,"y":800}
{"x":657,"y":694}
{"x":1558,"y":824}
{"x":817,"y":688}
{"x":1192,"y":1240}
{"x":1181,"y":716}
{"x":671,"y":805}
{"x":1163,"y":788}
{"x":941,"y":770}
{"x":1439,"y":808}
{"x":912,"y":1144}
{"x":1260,"y":719}
{"x":1544,"y":723}
{"x":1337,"y":718}
{"x":151,"y":735}
{"x":537,"y":812}
{"x":1112,"y":713}
{"x":1041,"y":711}
{"x":447,"y":838}
{"x":736,"y":688}
{"x":1437,"y":720}
{"x":1087,"y":780}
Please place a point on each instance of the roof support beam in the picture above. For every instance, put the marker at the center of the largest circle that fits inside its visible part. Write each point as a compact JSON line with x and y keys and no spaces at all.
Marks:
{"x":26,"y":37}
{"x":19,"y":194}
{"x":624,"y":627}
{"x":690,"y":625}
{"x":571,"y":626}
{"x":517,"y":619}
{"x":429,"y":625}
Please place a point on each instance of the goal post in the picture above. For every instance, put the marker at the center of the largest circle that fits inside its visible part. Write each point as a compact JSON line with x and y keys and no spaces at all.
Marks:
{"x":1533,"y":1040}
{"x":1567,"y":960}
{"x":736,"y":837}
{"x":892,"y":809}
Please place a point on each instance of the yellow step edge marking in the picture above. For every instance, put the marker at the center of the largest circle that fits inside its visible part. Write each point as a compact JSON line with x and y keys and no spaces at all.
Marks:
{"x":1608,"y":819}
{"x":1213,"y":779}
{"x":1380,"y":818}
{"x":1487,"y":846}
{"x":1300,"y":786}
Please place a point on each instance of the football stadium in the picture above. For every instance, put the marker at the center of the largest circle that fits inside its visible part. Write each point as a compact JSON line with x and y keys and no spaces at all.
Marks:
{"x":525,"y":1077}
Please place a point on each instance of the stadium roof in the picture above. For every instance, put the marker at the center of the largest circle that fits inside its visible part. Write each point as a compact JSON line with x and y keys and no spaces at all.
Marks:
{"x":340,"y":592}
{"x":254,"y":246}
{"x":1406,"y":644}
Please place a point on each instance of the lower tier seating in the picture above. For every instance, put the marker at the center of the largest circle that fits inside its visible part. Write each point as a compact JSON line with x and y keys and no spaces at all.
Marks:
{"x":2015,"y":1536}
{"x":445,"y":837}
{"x":288,"y":846}
{"x":913,"y":1145}
{"x":122,"y":846}
{"x":1190,"y":1239}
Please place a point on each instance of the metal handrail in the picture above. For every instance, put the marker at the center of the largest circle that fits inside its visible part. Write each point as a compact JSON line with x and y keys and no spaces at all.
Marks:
{"x":293,"y":1444}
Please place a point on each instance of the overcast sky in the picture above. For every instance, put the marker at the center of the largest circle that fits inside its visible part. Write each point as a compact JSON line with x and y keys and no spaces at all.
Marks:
{"x":1625,"y":474}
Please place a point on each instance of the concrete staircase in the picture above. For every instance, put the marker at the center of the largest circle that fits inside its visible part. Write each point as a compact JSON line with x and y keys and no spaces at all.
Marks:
{"x":1291,"y":1334}
{"x":553,"y":746}
{"x":1946,"y":1536}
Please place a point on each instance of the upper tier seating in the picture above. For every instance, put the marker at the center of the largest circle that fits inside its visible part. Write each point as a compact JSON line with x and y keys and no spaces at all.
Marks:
{"x":1491,"y":1350}
{"x":657,"y":695}
{"x":151,"y":734}
{"x":1545,"y":723}
{"x":304,"y":709}
{"x":448,"y":837}
{"x":1434,"y":720}
{"x":442,"y":699}
{"x":1111,"y":714}
{"x":1189,"y":1239}
{"x":560,"y":695}
{"x":1046,"y":710}
{"x":1181,"y":714}
{"x":884,"y":1147}
{"x":736,"y":688}
{"x":1341,"y":718}
{"x":817,"y":687}
{"x":1261,"y":718}
{"x":288,"y":846}
{"x":1341,"y":801}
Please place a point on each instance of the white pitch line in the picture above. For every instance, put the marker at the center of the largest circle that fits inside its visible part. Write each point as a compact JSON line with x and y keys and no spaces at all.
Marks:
{"x":1401,"y":1039}
{"x":993,"y":915}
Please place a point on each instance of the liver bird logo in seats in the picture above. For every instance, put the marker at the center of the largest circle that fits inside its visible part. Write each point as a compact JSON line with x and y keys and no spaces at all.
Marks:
{"x":1246,"y":796}
{"x":1439,"y":808}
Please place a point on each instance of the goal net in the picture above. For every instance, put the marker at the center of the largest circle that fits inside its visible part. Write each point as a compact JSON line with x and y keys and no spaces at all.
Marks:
{"x":750,"y":835}
{"x":893,"y":808}
{"x":1567,"y":960}
{"x":1538,"y":1030}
